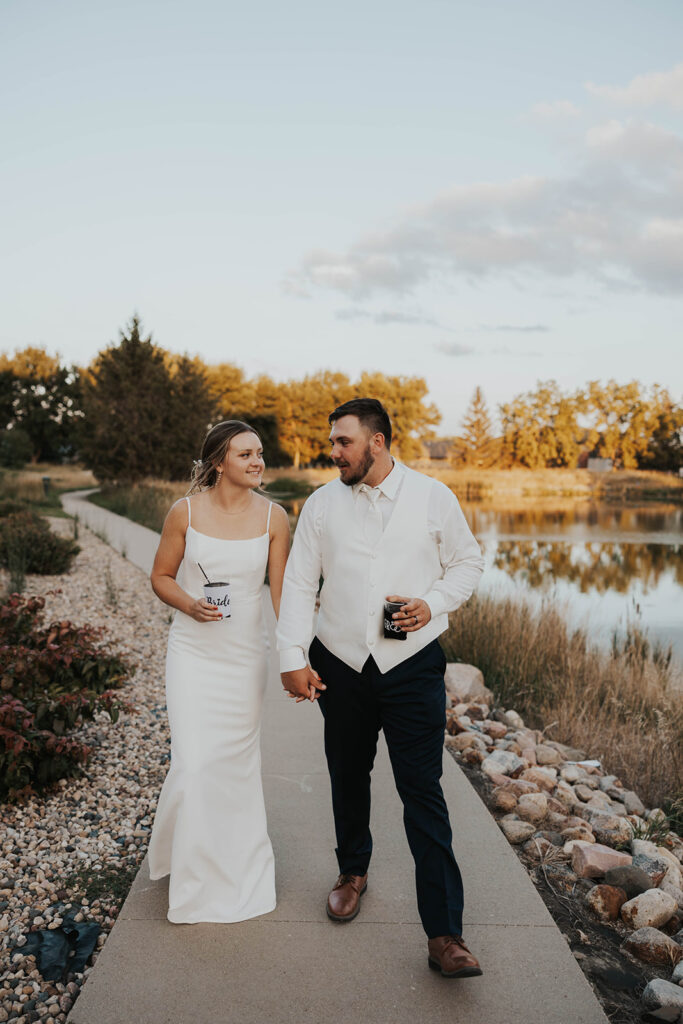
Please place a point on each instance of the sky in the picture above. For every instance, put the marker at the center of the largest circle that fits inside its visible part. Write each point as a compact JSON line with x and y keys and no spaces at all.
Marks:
{"x":484,"y":194}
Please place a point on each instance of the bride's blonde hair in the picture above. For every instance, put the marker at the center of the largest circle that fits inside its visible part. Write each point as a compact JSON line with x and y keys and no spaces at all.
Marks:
{"x":214,"y":450}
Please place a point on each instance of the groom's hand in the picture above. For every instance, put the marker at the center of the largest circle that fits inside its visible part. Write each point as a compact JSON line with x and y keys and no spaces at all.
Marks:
{"x":303,"y":684}
{"x":414,"y":614}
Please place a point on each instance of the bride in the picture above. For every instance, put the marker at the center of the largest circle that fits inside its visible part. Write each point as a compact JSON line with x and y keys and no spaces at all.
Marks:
{"x":210,"y":831}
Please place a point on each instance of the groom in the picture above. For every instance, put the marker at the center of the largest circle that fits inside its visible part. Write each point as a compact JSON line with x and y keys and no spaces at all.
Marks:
{"x":381,"y":531}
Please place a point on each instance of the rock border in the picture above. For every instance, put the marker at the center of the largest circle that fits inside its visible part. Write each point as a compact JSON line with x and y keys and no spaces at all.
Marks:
{"x":575,"y":829}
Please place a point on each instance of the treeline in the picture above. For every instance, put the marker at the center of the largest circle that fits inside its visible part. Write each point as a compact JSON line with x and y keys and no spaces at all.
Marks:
{"x":634,"y":426}
{"x":140,"y":411}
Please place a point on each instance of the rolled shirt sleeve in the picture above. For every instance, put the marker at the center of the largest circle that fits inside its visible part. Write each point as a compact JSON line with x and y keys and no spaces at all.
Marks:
{"x":459,"y":553}
{"x":299,"y":589}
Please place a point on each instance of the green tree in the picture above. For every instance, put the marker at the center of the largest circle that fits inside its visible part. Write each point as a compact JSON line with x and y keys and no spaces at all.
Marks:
{"x":478,"y":447}
{"x":404,"y":400}
{"x":42,"y":397}
{"x":126,"y":395}
{"x":665,"y":442}
{"x":190,"y":410}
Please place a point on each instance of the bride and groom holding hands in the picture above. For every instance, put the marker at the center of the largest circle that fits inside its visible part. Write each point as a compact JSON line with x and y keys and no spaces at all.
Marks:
{"x":378,"y":532}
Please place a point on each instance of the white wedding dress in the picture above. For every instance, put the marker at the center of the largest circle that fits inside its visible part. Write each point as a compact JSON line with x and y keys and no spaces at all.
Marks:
{"x":210,"y":830}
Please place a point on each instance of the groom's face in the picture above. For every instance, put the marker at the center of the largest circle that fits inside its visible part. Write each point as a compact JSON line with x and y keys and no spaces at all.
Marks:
{"x":351,"y":449}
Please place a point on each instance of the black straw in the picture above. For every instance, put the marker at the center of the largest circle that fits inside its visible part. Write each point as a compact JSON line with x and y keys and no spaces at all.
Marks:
{"x":204,"y":574}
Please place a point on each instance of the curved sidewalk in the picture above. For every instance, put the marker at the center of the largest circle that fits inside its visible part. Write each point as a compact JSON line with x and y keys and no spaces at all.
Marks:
{"x":294,"y":965}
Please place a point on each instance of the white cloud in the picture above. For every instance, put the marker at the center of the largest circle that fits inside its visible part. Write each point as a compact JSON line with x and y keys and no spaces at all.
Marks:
{"x":386,"y":316}
{"x":615,"y":220}
{"x":513,"y":328}
{"x":656,"y":87}
{"x":558,"y":110}
{"x":454,"y":348}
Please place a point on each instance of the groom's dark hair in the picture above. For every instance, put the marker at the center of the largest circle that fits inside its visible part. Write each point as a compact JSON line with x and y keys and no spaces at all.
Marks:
{"x":371,"y":414}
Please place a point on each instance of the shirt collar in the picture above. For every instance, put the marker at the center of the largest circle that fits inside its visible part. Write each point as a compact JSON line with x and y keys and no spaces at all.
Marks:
{"x":388,"y":487}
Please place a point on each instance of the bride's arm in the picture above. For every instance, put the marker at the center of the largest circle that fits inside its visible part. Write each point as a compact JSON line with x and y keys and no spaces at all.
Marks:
{"x":277,"y":554}
{"x":166,"y":564}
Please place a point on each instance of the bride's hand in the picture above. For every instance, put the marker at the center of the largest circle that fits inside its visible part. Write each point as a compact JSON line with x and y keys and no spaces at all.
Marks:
{"x":201,"y":611}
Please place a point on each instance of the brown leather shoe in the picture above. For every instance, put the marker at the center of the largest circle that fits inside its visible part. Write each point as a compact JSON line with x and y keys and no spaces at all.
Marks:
{"x":343,"y":903}
{"x":450,"y":955}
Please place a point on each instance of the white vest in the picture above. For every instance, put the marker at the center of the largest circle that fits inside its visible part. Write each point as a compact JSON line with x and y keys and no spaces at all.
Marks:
{"x":357,"y":576}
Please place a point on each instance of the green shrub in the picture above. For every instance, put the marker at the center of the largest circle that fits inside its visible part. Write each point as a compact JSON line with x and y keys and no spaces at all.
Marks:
{"x":27,"y":540}
{"x":51,"y":680}
{"x":11,"y":505}
{"x":15,"y":448}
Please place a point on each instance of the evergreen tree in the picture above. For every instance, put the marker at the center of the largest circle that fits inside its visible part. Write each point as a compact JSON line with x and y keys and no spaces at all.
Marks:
{"x":476,"y":434}
{"x":127,"y":429}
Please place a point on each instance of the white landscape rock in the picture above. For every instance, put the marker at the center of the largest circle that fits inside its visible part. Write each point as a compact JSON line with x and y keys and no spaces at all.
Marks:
{"x":516,"y":831}
{"x":466,"y":682}
{"x":501,"y":762}
{"x":651,"y":909}
{"x":663,"y":1000}
{"x":532,"y":807}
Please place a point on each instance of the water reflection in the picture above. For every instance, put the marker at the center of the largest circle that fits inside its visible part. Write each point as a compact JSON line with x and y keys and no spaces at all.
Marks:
{"x":577,"y":520}
{"x":590,"y":566}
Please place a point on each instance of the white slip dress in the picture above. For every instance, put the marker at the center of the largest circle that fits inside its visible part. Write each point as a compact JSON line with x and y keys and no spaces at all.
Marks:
{"x":210,"y":833}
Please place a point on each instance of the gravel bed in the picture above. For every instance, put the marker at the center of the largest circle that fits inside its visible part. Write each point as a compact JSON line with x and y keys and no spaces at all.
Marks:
{"x":92,"y":832}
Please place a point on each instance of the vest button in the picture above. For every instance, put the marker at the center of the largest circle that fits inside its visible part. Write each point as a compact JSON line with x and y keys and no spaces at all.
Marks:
{"x":372,"y":611}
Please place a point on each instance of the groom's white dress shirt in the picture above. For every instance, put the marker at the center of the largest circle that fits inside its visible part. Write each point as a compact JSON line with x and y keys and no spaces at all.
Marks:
{"x":407,"y":536}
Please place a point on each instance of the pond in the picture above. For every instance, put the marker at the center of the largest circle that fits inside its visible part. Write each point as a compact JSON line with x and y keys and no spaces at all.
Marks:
{"x":606,"y":565}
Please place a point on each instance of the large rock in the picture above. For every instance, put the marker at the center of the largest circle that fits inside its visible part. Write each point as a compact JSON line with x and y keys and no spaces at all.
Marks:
{"x":571,"y":844}
{"x":673,"y":891}
{"x":632,"y":802}
{"x":516,"y":786}
{"x":512,"y":719}
{"x":593,"y":861}
{"x":547,"y":755}
{"x":675,"y":872}
{"x":540,"y":847}
{"x":651,"y":909}
{"x":466,"y":682}
{"x":677,"y":976}
{"x":496,"y":730}
{"x":629,"y":878}
{"x":516,"y":831}
{"x":663,"y":1000}
{"x":608,"y":828}
{"x":545,"y":778}
{"x":606,"y":901}
{"x":655,"y":867}
{"x":532,"y":807}
{"x":653,"y":947}
{"x":462,"y":741}
{"x":501,"y":762}
{"x":503,"y":799}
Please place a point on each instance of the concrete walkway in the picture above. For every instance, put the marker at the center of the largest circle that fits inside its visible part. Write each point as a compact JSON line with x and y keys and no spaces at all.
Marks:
{"x":294,"y":965}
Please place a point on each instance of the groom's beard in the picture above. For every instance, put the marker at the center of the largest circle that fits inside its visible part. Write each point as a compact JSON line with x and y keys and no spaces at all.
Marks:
{"x":364,"y":467}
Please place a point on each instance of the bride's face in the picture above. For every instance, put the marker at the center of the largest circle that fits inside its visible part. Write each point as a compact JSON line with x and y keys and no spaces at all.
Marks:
{"x":243,"y":464}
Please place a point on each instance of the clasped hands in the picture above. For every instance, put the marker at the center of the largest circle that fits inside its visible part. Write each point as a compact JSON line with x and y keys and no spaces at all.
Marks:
{"x":306,"y":684}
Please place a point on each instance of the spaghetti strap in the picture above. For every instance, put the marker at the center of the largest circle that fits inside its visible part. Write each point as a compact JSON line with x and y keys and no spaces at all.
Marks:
{"x":270,"y":509}
{"x":189,"y":514}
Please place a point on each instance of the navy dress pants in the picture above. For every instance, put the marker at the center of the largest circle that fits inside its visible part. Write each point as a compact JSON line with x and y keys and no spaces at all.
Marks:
{"x":409,"y":703}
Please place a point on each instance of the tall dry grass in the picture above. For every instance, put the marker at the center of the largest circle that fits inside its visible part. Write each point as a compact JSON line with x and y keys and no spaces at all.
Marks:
{"x":506,"y":484}
{"x":146,"y":503}
{"x":623,"y":706}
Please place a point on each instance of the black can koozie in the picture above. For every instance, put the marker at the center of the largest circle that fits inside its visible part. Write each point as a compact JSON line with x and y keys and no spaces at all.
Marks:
{"x":392,"y":630}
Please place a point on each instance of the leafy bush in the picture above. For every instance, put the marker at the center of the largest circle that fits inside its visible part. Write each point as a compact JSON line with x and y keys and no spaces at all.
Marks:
{"x":15,"y":448}
{"x":11,"y":505}
{"x":52,"y":679}
{"x":27,"y":539}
